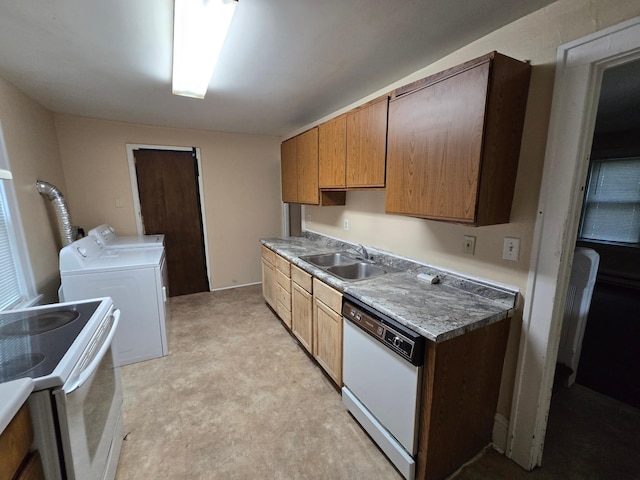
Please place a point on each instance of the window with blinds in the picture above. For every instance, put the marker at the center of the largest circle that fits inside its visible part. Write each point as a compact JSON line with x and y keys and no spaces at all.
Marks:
{"x":10,"y":282}
{"x":611,"y":210}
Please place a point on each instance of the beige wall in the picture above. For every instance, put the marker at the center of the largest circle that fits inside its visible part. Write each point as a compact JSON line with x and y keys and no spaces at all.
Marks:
{"x":535,"y":38}
{"x":240,"y":173}
{"x":32,"y":147}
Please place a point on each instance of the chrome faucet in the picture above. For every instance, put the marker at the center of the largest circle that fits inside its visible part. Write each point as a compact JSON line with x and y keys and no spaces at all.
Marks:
{"x":365,"y":254}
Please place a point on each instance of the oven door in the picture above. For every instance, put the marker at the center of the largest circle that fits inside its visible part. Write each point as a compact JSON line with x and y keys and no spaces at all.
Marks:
{"x":90,"y":410}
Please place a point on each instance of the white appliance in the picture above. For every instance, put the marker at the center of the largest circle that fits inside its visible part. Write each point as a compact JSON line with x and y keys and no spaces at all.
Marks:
{"x":110,"y":239}
{"x":382,"y":376}
{"x":137,"y":281}
{"x":76,"y":405}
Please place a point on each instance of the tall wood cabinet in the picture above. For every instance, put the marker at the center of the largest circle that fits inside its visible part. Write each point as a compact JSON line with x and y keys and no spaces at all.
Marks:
{"x":454,"y":142}
{"x":352,"y":148}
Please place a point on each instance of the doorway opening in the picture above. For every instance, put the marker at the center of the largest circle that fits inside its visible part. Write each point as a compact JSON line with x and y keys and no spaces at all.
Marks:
{"x":167,"y":191}
{"x":579,"y":72}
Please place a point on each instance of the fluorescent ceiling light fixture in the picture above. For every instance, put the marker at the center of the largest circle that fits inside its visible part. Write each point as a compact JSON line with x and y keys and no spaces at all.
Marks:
{"x":199,"y":30}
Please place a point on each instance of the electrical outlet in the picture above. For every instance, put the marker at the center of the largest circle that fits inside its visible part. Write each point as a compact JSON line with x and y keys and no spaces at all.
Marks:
{"x":511,"y":249}
{"x":469,"y":244}
{"x":346,"y":224}
{"x":308,"y":222}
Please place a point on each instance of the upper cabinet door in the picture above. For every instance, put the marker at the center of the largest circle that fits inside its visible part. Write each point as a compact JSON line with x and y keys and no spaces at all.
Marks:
{"x":435,"y":141}
{"x":307,"y":154}
{"x":332,"y":138}
{"x":289,"y":171}
{"x":454,"y":142}
{"x":367,"y":145}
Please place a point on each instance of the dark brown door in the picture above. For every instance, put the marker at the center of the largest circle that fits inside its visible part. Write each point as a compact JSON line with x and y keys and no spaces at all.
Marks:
{"x":170,"y":204}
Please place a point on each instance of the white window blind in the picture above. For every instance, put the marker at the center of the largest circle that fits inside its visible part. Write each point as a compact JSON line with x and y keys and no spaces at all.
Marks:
{"x":10,"y":286}
{"x":612,"y":202}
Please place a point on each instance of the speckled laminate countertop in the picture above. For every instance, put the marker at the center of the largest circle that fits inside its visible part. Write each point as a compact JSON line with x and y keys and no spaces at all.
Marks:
{"x":437,"y":311}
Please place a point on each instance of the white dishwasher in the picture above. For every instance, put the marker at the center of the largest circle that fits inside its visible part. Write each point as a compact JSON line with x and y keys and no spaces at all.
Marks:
{"x":382,"y":375}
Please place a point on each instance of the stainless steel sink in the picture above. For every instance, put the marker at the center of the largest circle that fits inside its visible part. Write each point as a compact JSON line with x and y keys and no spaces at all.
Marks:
{"x":357,"y":271}
{"x":329,"y":259}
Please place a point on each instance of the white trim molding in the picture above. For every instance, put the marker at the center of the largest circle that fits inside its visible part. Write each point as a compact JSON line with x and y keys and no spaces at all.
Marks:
{"x":579,"y":69}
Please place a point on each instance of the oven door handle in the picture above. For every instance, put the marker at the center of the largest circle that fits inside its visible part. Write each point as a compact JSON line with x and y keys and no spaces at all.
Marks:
{"x":86,"y":372}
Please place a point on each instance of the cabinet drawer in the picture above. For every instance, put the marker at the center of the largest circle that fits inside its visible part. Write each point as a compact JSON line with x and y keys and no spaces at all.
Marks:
{"x":283,"y":281}
{"x":268,"y":255}
{"x":301,"y":277}
{"x":15,"y":442}
{"x":283,"y":265}
{"x":283,"y":297}
{"x":327,"y":295}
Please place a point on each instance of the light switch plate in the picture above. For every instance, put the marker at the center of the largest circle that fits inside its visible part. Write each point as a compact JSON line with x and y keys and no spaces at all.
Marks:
{"x":511,"y":249}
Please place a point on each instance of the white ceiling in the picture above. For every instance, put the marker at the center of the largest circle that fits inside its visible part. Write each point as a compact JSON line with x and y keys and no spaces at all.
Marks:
{"x":286,"y":63}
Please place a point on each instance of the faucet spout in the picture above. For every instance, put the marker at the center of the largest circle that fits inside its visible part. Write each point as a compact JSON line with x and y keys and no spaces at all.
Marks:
{"x":365,"y":254}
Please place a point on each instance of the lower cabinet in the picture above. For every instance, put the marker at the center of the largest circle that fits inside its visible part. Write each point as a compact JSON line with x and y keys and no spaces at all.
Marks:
{"x":17,"y":462}
{"x":327,"y":329}
{"x":283,"y":290}
{"x":269,"y":276}
{"x":302,"y":307}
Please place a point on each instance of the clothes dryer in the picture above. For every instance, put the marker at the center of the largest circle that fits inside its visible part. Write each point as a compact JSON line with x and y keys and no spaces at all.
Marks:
{"x":110,"y":239}
{"x":136,"y":280}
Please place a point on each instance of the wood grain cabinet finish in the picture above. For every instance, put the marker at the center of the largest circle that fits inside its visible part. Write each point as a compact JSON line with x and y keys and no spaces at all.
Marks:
{"x":299,"y":168}
{"x":283,"y":290}
{"x":454,"y":142}
{"x":327,"y":329}
{"x":16,"y":460}
{"x":269,"y":277}
{"x":352,"y":148}
{"x":460,"y":392}
{"x":302,"y":307}
{"x":367,"y":145}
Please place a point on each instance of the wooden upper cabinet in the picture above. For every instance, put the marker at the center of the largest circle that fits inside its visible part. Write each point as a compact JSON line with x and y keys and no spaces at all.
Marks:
{"x":367,"y":145}
{"x":307,"y":154}
{"x":353,"y":148}
{"x":332,"y":141}
{"x":454,"y":142}
{"x":289,"y":171}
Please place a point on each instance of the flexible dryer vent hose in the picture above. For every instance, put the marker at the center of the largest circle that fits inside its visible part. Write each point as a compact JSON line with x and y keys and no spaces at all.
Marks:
{"x":67,"y":231}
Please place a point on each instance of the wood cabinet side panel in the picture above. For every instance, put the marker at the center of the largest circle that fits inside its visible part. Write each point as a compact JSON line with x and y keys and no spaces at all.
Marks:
{"x":332,"y":153}
{"x":506,"y":105}
{"x":15,"y":442}
{"x":367,"y":145}
{"x":289,"y":171}
{"x":435,"y":144}
{"x":461,"y":387}
{"x":307,"y":154}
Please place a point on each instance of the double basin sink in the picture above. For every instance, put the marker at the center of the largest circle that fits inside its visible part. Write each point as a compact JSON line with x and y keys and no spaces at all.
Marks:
{"x":346,"y":266}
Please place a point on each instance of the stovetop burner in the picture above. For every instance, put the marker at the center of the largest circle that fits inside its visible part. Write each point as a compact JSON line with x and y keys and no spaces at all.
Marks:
{"x":40,"y":323}
{"x":34,"y":340}
{"x":17,"y":367}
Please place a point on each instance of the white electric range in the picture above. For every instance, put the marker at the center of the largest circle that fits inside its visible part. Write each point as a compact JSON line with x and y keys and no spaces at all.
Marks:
{"x":76,"y":405}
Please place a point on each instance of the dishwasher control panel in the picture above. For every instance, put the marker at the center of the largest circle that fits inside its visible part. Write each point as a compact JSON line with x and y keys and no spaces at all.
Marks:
{"x":402,"y":340}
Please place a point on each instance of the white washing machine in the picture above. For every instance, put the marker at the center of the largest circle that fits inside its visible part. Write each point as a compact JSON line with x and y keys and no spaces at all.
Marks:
{"x":110,"y":239}
{"x":136,"y":280}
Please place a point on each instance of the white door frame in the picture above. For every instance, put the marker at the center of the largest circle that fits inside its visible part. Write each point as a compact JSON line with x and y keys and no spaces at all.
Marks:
{"x":131,"y":147}
{"x":579,"y":69}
